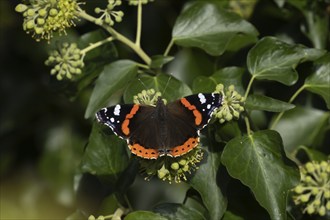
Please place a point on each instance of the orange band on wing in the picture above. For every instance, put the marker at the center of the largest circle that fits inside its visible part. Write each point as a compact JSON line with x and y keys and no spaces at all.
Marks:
{"x":124,"y":126}
{"x":146,"y":153}
{"x":187,"y":146}
{"x":197,"y":114}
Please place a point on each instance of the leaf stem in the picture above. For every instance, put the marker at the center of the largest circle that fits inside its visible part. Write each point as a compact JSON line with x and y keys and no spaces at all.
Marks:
{"x":249,"y":87}
{"x":247,"y":123}
{"x":97,"y":44}
{"x":139,"y":24}
{"x":279,"y":116}
{"x":117,"y":36}
{"x":168,"y":48}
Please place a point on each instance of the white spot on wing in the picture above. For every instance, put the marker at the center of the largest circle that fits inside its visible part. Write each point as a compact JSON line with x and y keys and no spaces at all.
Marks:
{"x":202,"y":98}
{"x":208,"y":106}
{"x":117,"y":110}
{"x":112,"y":120}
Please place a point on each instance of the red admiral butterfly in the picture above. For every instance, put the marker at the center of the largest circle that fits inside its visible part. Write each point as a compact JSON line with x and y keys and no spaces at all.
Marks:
{"x":164,"y":130}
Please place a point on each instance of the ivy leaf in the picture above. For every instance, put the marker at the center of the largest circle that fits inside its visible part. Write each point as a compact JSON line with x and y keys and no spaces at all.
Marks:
{"x":209,"y":190}
{"x":170,"y":87}
{"x":227,"y":76}
{"x":273,"y":59}
{"x":260,"y":102}
{"x":159,"y":60}
{"x":302,"y":126}
{"x":143,"y":215}
{"x":208,"y":26}
{"x":258,"y":161}
{"x":178,"y":211}
{"x":114,"y":77}
{"x":104,"y":155}
{"x":319,"y":81}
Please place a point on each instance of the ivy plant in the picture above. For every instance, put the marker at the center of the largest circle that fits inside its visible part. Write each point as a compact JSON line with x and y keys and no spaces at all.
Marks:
{"x":274,"y":116}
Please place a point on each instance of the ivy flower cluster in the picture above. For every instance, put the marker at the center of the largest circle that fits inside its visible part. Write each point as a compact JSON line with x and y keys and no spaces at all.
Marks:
{"x":108,"y":15}
{"x":232,"y":104}
{"x":167,"y":168}
{"x":66,"y":62}
{"x":136,"y":2}
{"x":313,"y":192}
{"x":44,"y":17}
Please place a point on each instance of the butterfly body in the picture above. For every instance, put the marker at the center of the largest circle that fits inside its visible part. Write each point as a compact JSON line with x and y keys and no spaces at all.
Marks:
{"x":161,"y":130}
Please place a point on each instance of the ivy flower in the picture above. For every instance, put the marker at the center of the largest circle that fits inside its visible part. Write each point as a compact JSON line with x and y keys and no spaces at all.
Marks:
{"x":147,"y":97}
{"x":44,"y":17}
{"x":66,"y":62}
{"x":136,"y":2}
{"x":313,"y":192}
{"x":232,"y":104}
{"x":108,"y":15}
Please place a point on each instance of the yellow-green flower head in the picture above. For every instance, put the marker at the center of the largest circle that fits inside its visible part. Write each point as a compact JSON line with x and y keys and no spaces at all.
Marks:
{"x":232,"y":104}
{"x":172,"y":168}
{"x":147,"y":97}
{"x":108,"y":15}
{"x":66,"y":62}
{"x":44,"y":17}
{"x":136,"y":2}
{"x":313,"y":192}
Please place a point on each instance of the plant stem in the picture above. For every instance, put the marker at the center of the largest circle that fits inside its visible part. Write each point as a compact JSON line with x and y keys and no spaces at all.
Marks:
{"x":247,"y":123}
{"x":116,"y":35}
{"x":168,"y":48}
{"x":139,"y":24}
{"x":249,"y":87}
{"x":279,"y":116}
{"x":118,"y":214}
{"x":97,"y":44}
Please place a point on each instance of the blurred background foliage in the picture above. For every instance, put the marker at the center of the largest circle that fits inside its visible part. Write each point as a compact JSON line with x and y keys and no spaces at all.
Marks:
{"x":43,"y":132}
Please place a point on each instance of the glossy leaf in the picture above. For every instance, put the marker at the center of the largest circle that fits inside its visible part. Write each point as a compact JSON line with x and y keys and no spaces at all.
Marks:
{"x":206,"y":183}
{"x":273,"y":59}
{"x":208,"y":26}
{"x":319,"y":81}
{"x":178,"y":211}
{"x":170,"y":87}
{"x":227,"y":76}
{"x":302,"y":126}
{"x":258,"y":161}
{"x":114,"y":77}
{"x":231,"y":216}
{"x":158,"y":61}
{"x":105,"y":154}
{"x":144,"y":215}
{"x":260,"y":102}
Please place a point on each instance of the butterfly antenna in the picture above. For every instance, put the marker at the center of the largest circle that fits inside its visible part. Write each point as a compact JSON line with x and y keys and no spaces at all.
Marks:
{"x":167,"y":83}
{"x":145,"y":87}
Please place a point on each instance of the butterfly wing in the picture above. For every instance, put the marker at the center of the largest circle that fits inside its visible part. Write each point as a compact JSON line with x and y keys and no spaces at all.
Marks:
{"x":187,"y":117}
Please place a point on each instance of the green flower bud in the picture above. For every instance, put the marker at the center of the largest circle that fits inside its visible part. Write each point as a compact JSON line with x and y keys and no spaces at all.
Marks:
{"x":53,"y":12}
{"x":107,"y":20}
{"x":322,"y":211}
{"x":305,"y":197}
{"x":327,"y":206}
{"x":182,"y":162}
{"x":38,"y":30}
{"x":30,"y":12}
{"x":91,"y":217}
{"x":299,"y":189}
{"x":118,"y":19}
{"x":101,"y":217}
{"x":310,"y":209}
{"x":30,"y":24}
{"x":120,"y":13}
{"x":40,"y":21}
{"x":98,"y":22}
{"x":53,"y":72}
{"x":42,"y":12}
{"x":20,"y":8}
{"x":175,"y":166}
{"x":97,"y":10}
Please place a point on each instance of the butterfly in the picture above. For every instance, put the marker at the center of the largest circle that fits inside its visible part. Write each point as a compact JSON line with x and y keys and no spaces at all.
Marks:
{"x":171,"y":129}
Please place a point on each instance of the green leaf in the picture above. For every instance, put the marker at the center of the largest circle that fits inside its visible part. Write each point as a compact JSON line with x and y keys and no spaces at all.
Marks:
{"x":189,"y":64}
{"x":105,"y":154}
{"x":170,"y":87}
{"x":144,"y":215}
{"x":319,"y":81}
{"x":302,"y":126}
{"x":227,"y":76}
{"x":114,"y":77}
{"x":159,"y":60}
{"x":260,"y":102}
{"x":313,"y":155}
{"x":273,"y":59}
{"x":231,"y":216}
{"x":208,"y":26}
{"x":258,"y":161}
{"x":206,"y":182}
{"x":178,"y":211}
